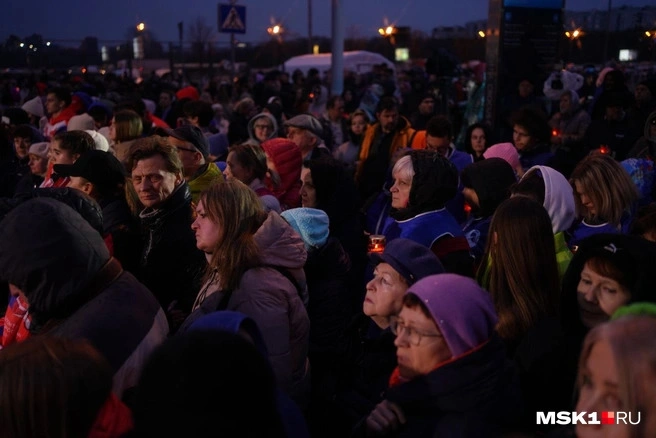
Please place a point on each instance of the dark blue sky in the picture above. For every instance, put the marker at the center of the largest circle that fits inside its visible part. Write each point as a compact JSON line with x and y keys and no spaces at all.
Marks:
{"x":72,"y":20}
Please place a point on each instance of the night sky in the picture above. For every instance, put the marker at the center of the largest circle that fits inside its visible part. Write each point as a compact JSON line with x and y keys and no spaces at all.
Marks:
{"x":68,"y":21}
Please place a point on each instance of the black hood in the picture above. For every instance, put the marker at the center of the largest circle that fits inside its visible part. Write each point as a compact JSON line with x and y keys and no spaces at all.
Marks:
{"x":51,"y":253}
{"x":491,"y":180}
{"x":435,"y":182}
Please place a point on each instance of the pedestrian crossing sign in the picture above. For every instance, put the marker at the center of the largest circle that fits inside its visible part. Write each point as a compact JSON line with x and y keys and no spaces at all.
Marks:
{"x":232,"y":18}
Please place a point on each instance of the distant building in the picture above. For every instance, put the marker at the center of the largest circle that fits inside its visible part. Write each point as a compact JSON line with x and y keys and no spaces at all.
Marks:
{"x":622,"y":18}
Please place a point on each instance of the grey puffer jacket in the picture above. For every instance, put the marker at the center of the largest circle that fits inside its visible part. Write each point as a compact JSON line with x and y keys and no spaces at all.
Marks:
{"x":273,"y":301}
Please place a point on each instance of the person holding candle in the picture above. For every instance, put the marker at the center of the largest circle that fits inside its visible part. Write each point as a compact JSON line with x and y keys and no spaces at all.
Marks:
{"x":373,"y":355}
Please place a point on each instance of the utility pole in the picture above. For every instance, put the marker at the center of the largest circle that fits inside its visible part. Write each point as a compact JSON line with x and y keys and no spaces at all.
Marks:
{"x":337,"y":57}
{"x":607,"y":39}
{"x":310,"y":45}
{"x":233,"y":56}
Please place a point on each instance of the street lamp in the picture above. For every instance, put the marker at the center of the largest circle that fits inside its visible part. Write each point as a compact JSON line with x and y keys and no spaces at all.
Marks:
{"x":387,"y":31}
{"x":481,"y":34}
{"x":141,"y":27}
{"x":275,"y":30}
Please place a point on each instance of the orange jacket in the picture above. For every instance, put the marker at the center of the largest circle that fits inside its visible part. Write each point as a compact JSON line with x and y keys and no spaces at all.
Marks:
{"x":402,"y":139}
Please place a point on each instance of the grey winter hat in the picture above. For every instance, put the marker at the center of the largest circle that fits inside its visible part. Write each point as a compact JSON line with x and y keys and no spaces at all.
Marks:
{"x":307,"y":122}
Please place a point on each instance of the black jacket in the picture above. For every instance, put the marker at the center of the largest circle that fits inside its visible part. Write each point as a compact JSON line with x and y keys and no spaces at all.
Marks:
{"x":75,"y":290}
{"x":171,"y":265}
{"x":124,"y":229}
{"x":475,"y":396}
{"x":326,"y":270}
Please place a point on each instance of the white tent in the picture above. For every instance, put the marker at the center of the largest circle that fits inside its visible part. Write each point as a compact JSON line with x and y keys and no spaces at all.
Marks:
{"x":357,"y":61}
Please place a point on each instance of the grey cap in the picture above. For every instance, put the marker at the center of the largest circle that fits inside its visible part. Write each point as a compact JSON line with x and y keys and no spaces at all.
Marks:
{"x":307,"y":122}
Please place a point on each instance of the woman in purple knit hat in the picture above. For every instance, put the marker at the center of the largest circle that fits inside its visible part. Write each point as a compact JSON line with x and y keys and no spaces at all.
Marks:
{"x":453,"y":378}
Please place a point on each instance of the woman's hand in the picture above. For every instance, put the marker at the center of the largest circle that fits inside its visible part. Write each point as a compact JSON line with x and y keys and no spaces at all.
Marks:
{"x":386,"y":418}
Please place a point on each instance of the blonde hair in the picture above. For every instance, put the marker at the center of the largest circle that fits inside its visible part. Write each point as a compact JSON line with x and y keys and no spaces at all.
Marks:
{"x":128,"y":125}
{"x":239,"y":212}
{"x":633,"y":345}
{"x":608,"y":186}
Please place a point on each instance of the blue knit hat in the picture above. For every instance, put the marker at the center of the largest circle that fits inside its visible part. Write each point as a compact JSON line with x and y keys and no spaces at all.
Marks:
{"x":410,"y":259}
{"x":312,"y":224}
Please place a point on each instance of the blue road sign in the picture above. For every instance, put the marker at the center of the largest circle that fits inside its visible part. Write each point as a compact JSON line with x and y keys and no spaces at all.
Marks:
{"x":232,"y":19}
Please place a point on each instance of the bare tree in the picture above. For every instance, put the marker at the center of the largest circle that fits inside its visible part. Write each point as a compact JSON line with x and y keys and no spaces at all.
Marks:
{"x":200,"y":34}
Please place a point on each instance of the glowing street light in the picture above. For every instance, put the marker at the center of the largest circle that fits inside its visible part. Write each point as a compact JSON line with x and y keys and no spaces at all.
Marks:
{"x":22,"y":44}
{"x":141,"y":27}
{"x":388,"y":31}
{"x":48,"y":43}
{"x":481,"y":34}
{"x":574,"y":34}
{"x":275,"y":30}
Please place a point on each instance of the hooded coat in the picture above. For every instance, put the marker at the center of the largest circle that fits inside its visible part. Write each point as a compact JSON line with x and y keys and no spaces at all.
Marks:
{"x":491,"y":180}
{"x":272,"y":301}
{"x":561,"y":207}
{"x":251,"y":128}
{"x":645,"y":147}
{"x":76,"y":290}
{"x":235,"y":322}
{"x":426,"y":220}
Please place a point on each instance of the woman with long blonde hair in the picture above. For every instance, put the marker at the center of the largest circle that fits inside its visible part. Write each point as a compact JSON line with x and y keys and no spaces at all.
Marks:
{"x":255,"y":266}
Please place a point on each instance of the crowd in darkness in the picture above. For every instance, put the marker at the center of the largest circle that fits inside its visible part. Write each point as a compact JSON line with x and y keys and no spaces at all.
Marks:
{"x":259,"y":257}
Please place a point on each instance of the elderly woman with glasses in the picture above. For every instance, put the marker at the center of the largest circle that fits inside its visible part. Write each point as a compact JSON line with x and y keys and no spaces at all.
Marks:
{"x":453,"y":378}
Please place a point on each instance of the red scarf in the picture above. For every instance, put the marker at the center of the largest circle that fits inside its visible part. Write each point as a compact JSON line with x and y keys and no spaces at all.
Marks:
{"x":15,"y":323}
{"x":114,"y":419}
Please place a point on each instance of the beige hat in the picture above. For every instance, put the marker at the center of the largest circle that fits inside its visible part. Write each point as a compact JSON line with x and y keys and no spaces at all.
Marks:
{"x":101,"y":142}
{"x":39,"y":149}
{"x":34,"y":107}
{"x":82,"y":122}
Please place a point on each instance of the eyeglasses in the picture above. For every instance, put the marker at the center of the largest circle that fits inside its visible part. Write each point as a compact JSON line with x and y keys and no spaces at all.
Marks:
{"x":414,"y":337}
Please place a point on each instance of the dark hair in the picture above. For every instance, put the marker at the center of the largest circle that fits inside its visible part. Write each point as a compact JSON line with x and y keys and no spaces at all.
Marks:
{"x":439,"y":126}
{"x":646,"y":220}
{"x":99,"y":114}
{"x":25,"y":131}
{"x":523,"y":277}
{"x":62,"y":93}
{"x":251,"y":157}
{"x":535,"y":122}
{"x":486,"y":131}
{"x":202,"y":384}
{"x":51,"y":386}
{"x":412,"y":301}
{"x":387,"y":103}
{"x":200,"y":109}
{"x":76,"y":142}
{"x":332,"y":100}
{"x":532,"y":186}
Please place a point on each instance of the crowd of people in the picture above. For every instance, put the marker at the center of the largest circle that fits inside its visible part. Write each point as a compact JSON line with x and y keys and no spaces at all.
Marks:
{"x":264,"y":259}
